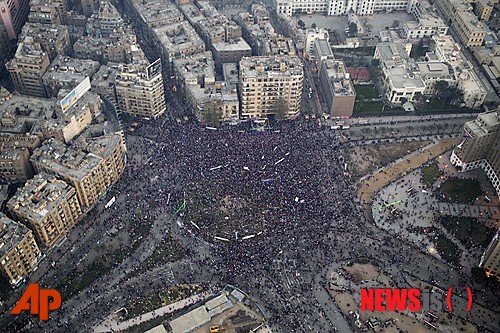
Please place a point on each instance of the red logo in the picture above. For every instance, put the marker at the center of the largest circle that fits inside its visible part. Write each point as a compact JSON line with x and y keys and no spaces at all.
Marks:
{"x":413,"y":299}
{"x":38,"y":301}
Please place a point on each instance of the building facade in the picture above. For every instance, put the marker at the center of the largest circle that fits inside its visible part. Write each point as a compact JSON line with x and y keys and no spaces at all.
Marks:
{"x":49,"y":207}
{"x":490,"y":260}
{"x":91,"y":168}
{"x":19,"y":253}
{"x":15,"y":164}
{"x":480,"y":147}
{"x":270,"y":85}
{"x":13,"y":15}
{"x":139,"y":93}
{"x":27,"y":68}
{"x":337,"y":87}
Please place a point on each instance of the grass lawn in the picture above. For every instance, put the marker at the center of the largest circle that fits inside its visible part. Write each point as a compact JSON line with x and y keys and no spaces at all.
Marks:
{"x":468,"y":230}
{"x":369,"y":107}
{"x":447,"y":249}
{"x":461,"y":190}
{"x":437,"y":104}
{"x":366,"y":90}
{"x":430,"y":173}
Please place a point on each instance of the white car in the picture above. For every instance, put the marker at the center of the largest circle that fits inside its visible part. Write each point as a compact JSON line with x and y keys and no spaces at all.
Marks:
{"x":335,"y":127}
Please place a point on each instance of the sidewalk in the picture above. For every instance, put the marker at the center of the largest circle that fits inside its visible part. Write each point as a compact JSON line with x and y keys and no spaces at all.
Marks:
{"x":111,"y":325}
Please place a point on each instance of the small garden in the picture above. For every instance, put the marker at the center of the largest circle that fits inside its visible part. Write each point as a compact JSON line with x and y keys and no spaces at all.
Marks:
{"x":463,"y":191}
{"x":468,"y":230}
{"x":429,"y":174}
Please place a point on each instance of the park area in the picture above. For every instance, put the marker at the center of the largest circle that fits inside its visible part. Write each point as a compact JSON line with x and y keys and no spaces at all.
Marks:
{"x":429,"y":174}
{"x":468,"y":230}
{"x":461,"y":190}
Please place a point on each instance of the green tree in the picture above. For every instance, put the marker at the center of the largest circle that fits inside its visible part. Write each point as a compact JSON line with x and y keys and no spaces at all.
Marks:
{"x":280,"y":109}
{"x":441,"y":87}
{"x":212,"y":113}
{"x":313,"y":25}
{"x":301,"y":24}
{"x":353,"y":29}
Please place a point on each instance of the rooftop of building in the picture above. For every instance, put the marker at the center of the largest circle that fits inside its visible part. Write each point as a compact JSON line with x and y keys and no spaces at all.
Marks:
{"x":339,"y":77}
{"x":198,"y":67}
{"x":29,"y":51}
{"x":11,"y":233}
{"x":234,"y":45}
{"x":11,"y":153}
{"x":75,"y":110}
{"x":268,"y":65}
{"x":108,"y":12}
{"x":404,"y":78}
{"x":134,"y":73}
{"x":323,"y":48}
{"x":392,"y":54}
{"x":106,"y":75}
{"x":192,"y":12}
{"x":43,"y":32}
{"x":178,"y":36}
{"x":472,"y":24}
{"x":66,"y":69}
{"x":22,"y":114}
{"x":483,"y":124}
{"x":435,"y":70}
{"x":230,"y":73}
{"x":39,"y":196}
{"x":78,"y":159}
{"x":157,"y":12}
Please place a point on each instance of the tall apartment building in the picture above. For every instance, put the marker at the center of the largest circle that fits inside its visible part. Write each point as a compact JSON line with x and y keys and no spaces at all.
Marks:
{"x":27,"y":68}
{"x":91,"y":168}
{"x":4,"y":45}
{"x":15,"y":164}
{"x":53,"y":39}
{"x":19,"y":253}
{"x":66,"y":73}
{"x":337,"y":87}
{"x":480,"y":147}
{"x":13,"y":15}
{"x":469,"y":29}
{"x":269,"y":83}
{"x":140,"y":92}
{"x":490,"y":260}
{"x":49,"y":207}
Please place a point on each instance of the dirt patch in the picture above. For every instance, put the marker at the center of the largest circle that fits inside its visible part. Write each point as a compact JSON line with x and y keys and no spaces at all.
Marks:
{"x":363,"y":272}
{"x":366,"y":159}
